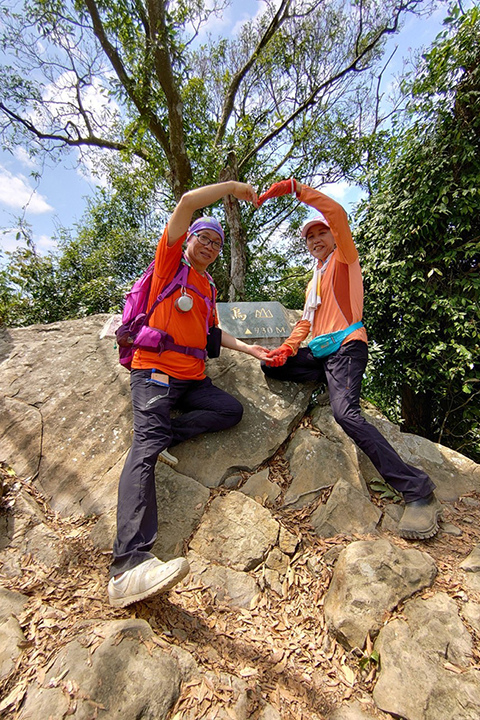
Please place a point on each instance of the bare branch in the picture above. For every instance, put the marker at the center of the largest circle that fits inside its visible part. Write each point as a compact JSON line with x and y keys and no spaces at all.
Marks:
{"x":130,"y":87}
{"x":279,"y":18}
{"x":66,"y":139}
{"x":353,"y":66}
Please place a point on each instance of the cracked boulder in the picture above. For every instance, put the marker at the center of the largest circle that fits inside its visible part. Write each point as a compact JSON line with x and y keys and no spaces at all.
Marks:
{"x":235,"y":532}
{"x":370,"y":578}
{"x":425,"y":670}
{"x":68,"y":417}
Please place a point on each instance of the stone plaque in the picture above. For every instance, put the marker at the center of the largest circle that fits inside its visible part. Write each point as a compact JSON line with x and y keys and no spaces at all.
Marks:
{"x":255,"y":322}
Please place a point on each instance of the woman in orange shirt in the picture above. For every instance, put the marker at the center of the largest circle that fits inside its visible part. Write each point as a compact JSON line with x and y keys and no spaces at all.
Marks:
{"x":334,"y":304}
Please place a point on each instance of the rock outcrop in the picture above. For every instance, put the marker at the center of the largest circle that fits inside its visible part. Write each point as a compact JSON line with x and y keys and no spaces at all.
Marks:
{"x":301,"y":597}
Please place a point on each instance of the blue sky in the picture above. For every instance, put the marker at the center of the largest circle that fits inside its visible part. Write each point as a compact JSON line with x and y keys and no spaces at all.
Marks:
{"x":58,"y":198}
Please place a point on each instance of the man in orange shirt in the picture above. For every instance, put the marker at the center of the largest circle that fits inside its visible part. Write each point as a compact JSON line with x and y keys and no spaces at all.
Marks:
{"x":334,"y":304}
{"x":173,"y":378}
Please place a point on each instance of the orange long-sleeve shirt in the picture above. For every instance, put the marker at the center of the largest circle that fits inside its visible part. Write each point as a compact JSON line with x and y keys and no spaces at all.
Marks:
{"x":341,"y":285}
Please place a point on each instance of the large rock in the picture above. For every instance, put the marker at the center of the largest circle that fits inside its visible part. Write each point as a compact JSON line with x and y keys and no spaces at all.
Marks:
{"x":318,"y":461}
{"x":271,"y":409}
{"x":472,"y":562}
{"x":453,"y":473}
{"x":11,"y":634}
{"x":82,"y":420}
{"x":232,"y":587}
{"x":65,"y":412}
{"x":354,"y":711}
{"x":180,"y":502}
{"x":370,"y":579}
{"x":439,"y":630}
{"x":347,"y":511}
{"x":128,"y":676}
{"x":417,"y":656}
{"x":260,"y":488}
{"x":236,"y":532}
{"x":21,"y":432}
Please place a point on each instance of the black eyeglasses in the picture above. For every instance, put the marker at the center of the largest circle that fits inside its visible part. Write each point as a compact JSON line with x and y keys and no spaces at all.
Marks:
{"x":206,"y":241}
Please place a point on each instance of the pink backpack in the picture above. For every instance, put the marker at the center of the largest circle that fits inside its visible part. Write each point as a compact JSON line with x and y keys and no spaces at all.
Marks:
{"x":135,"y":332}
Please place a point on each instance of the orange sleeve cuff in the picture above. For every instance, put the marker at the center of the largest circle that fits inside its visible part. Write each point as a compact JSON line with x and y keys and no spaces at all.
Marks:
{"x":297,"y":336}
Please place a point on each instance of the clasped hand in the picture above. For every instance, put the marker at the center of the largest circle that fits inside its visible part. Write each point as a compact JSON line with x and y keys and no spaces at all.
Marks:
{"x":279,"y":356}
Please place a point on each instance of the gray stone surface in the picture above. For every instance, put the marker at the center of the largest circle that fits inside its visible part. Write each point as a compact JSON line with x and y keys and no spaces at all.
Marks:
{"x":11,"y":603}
{"x":453,"y":474}
{"x":232,"y":587}
{"x":319,"y":458}
{"x":260,"y":488}
{"x":369,"y":579}
{"x":181,"y":502}
{"x":11,"y":637}
{"x":472,"y":562}
{"x":347,"y":510}
{"x":316,"y":463}
{"x":11,"y":634}
{"x":269,"y":713}
{"x":439,"y":630}
{"x":415,"y":681}
{"x":78,"y":402}
{"x":323,"y":420}
{"x":271,"y":409}
{"x":124,"y":677}
{"x":471,"y":613}
{"x":74,"y":428}
{"x":352,"y":711}
{"x":80,"y":417}
{"x":287,"y":541}
{"x":236,"y":532}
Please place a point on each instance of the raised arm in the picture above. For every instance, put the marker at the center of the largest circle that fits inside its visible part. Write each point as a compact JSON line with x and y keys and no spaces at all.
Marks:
{"x":203,"y":197}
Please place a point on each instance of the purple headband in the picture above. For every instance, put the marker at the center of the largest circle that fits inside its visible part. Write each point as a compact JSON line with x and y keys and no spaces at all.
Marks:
{"x":207,"y":223}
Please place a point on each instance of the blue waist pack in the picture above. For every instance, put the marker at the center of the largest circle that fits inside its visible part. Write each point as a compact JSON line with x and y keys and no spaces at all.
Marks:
{"x":324,"y":345}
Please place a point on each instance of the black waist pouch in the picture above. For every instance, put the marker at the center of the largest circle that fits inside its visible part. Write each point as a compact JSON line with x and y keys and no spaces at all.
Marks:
{"x":214,"y":342}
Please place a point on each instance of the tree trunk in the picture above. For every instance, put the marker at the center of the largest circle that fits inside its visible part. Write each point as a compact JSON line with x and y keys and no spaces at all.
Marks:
{"x":238,"y":240}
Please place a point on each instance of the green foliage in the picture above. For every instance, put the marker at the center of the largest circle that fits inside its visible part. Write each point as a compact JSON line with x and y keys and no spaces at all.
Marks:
{"x":369,"y":660}
{"x":387,"y":492}
{"x":419,"y":235}
{"x":91,"y":272}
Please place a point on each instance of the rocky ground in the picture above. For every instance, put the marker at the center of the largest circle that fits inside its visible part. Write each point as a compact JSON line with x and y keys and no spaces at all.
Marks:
{"x":279,"y":647}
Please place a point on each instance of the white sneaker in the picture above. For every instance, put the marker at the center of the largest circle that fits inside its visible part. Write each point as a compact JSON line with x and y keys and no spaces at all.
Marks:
{"x":168,"y":459}
{"x":149,"y":578}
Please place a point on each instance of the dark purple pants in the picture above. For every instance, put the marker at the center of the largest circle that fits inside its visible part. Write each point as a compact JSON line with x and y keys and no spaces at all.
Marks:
{"x":342,"y":372}
{"x":205,"y":408}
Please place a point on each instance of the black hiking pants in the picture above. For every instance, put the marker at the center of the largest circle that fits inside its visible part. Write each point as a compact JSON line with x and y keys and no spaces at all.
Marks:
{"x":342,"y":372}
{"x":205,"y":408}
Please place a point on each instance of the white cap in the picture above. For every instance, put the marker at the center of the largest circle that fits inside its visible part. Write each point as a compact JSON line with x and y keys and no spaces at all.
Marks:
{"x":317,"y":220}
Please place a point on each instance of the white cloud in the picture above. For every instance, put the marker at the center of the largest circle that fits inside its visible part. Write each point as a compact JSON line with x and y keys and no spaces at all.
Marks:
{"x":23,"y":157}
{"x":61,"y":99}
{"x":103,"y":112}
{"x":247,"y":16}
{"x":9,"y":242}
{"x":16,"y":192}
{"x":44,"y":243}
{"x":337,"y":190}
